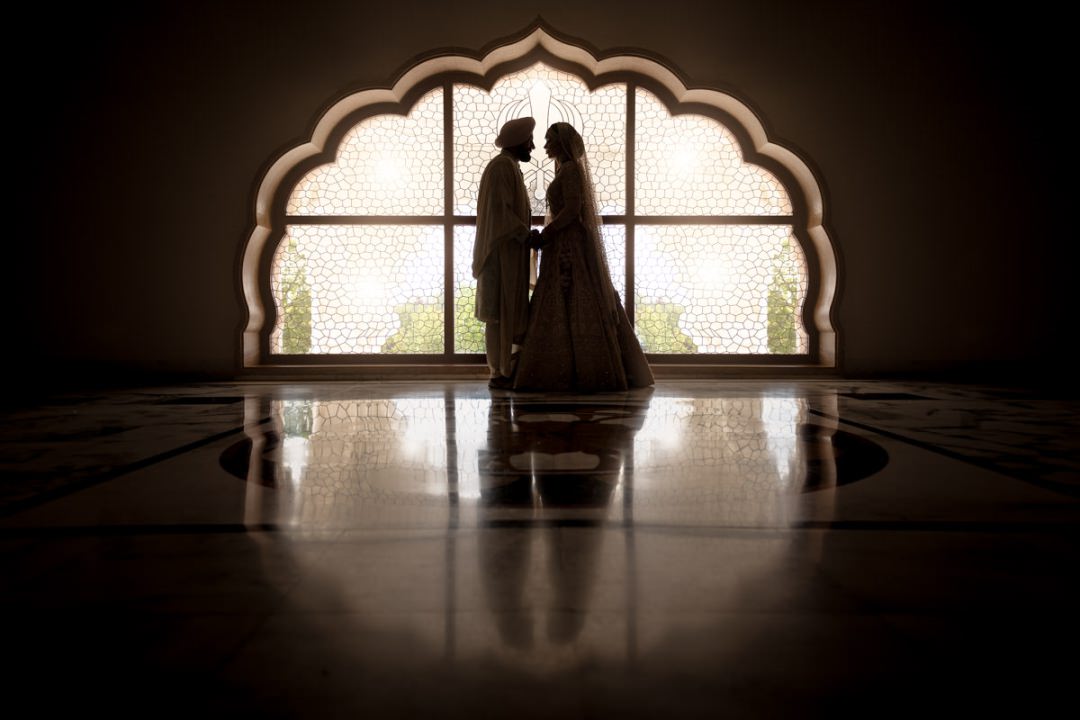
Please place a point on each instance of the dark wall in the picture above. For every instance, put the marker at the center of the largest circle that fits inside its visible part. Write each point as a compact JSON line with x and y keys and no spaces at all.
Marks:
{"x":140,"y":140}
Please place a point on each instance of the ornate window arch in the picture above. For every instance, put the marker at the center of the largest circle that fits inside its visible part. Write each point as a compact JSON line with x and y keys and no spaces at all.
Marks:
{"x":361,"y":250}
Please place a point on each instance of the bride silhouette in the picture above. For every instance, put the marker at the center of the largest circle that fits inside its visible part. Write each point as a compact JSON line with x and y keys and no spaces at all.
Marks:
{"x":578,"y":336}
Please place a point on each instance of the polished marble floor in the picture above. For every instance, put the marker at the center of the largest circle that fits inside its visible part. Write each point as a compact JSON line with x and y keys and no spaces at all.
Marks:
{"x":803,"y":548}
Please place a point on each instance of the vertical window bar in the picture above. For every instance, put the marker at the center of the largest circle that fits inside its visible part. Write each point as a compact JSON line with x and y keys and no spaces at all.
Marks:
{"x":631,"y":125}
{"x":448,"y":220}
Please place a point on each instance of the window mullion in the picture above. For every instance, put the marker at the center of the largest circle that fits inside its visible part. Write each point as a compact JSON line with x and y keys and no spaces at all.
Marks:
{"x":448,"y":220}
{"x":628,"y":301}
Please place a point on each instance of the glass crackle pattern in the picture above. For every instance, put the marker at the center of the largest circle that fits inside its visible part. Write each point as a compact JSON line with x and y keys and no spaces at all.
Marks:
{"x":468,"y":331}
{"x":550,"y":96}
{"x":376,"y":288}
{"x":386,"y":165}
{"x":614,"y":238}
{"x":369,"y":283}
{"x":717,"y":281}
{"x":692,"y":165}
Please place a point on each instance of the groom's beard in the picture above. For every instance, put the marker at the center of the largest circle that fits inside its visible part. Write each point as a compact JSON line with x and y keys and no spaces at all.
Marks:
{"x":523,"y":154}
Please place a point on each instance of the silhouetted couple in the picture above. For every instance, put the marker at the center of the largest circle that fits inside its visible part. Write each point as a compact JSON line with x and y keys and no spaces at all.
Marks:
{"x":573,"y":334}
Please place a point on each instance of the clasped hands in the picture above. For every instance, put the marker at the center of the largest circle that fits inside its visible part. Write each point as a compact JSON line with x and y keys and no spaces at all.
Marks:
{"x":536,"y":239}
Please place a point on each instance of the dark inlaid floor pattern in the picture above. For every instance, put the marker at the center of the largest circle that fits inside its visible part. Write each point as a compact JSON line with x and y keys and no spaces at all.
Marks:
{"x":700,"y":549}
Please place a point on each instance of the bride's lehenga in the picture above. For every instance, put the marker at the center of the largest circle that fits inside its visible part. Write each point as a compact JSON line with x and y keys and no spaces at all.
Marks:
{"x":579,"y":337}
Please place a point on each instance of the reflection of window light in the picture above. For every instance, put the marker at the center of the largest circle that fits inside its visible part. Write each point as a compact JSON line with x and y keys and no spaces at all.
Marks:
{"x":663,"y":429}
{"x":667,"y":437}
{"x":471,"y":431}
{"x":423,"y":438}
{"x":781,"y":417}
{"x":414,"y":441}
{"x":294,"y":456}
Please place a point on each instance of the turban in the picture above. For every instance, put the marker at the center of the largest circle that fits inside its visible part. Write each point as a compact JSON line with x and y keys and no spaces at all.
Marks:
{"x":515,"y":132}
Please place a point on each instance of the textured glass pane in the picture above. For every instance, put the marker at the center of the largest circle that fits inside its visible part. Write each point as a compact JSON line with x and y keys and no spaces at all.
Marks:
{"x":692,"y":165}
{"x":386,"y":165}
{"x":549,"y":96}
{"x":358,"y":289}
{"x":615,"y":247}
{"x":719,"y":289}
{"x":370,"y":289}
{"x":468,"y":331}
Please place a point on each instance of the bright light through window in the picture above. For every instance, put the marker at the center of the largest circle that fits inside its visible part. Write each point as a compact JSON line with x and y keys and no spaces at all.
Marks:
{"x":372,"y":237}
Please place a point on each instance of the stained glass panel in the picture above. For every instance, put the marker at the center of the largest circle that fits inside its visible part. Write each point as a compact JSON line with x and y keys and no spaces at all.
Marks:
{"x":345,"y":289}
{"x":378,"y":289}
{"x":386,"y":165}
{"x":720,"y":289}
{"x":692,"y":165}
{"x":614,"y":237}
{"x":549,"y":96}
{"x":468,"y":331}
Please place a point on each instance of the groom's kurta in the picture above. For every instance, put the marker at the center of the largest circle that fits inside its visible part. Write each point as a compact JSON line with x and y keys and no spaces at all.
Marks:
{"x":501,"y":260}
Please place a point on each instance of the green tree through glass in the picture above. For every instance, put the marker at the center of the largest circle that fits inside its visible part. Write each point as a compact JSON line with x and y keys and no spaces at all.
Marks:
{"x":295,"y":302}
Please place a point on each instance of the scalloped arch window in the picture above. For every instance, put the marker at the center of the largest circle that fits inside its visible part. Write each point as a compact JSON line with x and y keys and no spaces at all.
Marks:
{"x":366,"y":250}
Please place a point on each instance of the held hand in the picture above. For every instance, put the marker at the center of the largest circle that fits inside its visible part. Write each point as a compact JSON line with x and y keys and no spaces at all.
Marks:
{"x":536,"y":239}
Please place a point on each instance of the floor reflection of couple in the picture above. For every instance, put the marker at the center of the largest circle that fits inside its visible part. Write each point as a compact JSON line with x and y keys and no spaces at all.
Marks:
{"x":573,"y":333}
{"x":545,"y":462}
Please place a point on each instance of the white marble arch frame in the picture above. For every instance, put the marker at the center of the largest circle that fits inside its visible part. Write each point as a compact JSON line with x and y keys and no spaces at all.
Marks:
{"x":540,"y":43}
